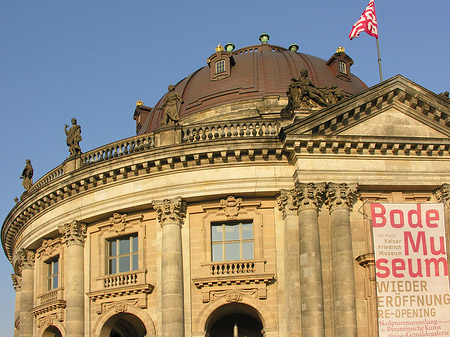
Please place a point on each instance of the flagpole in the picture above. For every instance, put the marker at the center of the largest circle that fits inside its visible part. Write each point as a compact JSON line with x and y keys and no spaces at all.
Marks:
{"x":379,"y":61}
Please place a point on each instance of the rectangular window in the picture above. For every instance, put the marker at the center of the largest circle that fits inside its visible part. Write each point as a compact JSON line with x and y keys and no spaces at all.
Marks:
{"x":220,"y":66}
{"x":342,"y":67}
{"x":52,"y":273}
{"x":232,"y":241}
{"x":123,"y":254}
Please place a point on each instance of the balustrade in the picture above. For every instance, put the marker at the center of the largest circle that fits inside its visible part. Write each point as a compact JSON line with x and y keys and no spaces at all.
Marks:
{"x":230,"y":130}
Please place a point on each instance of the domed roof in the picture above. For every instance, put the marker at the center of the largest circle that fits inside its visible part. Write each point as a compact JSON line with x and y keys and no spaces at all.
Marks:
{"x":253,"y":72}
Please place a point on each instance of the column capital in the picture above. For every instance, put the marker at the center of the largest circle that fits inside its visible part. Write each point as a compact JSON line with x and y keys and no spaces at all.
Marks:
{"x":442,"y":194}
{"x":340,"y":195}
{"x":287,"y":203}
{"x":170,"y":211}
{"x":309,"y":195}
{"x":25,"y":259}
{"x":17,"y":282}
{"x":73,"y":233}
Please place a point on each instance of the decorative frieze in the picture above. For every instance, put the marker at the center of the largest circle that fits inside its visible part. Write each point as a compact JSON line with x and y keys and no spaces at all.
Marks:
{"x":170,"y":211}
{"x":340,"y":195}
{"x":48,"y":248}
{"x":233,"y":295}
{"x":73,"y":233}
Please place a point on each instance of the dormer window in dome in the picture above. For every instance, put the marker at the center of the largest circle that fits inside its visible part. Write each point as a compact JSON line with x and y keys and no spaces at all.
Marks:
{"x":342,"y":67}
{"x":220,"y":64}
{"x":340,"y":64}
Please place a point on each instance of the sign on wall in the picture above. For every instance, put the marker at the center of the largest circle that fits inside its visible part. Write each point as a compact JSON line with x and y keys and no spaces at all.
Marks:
{"x":411,"y":270}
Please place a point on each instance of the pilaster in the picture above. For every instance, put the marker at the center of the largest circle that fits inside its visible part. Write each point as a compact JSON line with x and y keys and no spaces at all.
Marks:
{"x":442,"y":194}
{"x":288,"y":207}
{"x":17,"y":284}
{"x":26,"y":259}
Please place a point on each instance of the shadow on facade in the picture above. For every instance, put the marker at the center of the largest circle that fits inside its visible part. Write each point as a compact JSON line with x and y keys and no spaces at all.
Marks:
{"x":123,"y":325}
{"x":233,"y":320}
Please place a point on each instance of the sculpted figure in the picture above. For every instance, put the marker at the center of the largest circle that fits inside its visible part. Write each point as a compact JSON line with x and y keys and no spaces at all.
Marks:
{"x":27,"y":175}
{"x":295,"y":93}
{"x":73,"y":137}
{"x":171,"y":107}
{"x":310,"y":90}
{"x":335,"y":94}
{"x":445,"y":95}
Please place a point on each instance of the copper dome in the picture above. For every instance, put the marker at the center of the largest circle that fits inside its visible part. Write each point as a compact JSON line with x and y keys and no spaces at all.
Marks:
{"x":254,"y":72}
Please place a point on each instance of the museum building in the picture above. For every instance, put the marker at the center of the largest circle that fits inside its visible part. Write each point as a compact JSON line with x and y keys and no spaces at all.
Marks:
{"x":239,"y":208}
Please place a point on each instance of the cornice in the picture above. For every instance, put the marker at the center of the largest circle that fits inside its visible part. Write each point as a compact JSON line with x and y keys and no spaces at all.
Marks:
{"x":144,"y":161}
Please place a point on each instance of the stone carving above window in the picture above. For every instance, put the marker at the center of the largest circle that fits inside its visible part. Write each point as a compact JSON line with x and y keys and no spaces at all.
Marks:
{"x":231,"y":206}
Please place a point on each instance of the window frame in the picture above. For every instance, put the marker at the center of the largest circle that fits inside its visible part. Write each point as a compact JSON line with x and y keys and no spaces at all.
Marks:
{"x":51,"y":275}
{"x":220,"y":67}
{"x":342,"y":67}
{"x":132,"y":254}
{"x":224,"y":242}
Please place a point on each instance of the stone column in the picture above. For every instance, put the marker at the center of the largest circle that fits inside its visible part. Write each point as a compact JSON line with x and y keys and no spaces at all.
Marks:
{"x":26,"y":264}
{"x":339,"y":199}
{"x":309,"y":199}
{"x":74,"y":236}
{"x":288,"y":207}
{"x":171,"y":215}
{"x":17,"y":284}
{"x":442,"y":194}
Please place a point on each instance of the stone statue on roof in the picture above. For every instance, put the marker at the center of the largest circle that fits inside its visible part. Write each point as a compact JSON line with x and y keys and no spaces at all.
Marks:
{"x":73,"y":138}
{"x":302,"y":93}
{"x":171,"y":107}
{"x":27,"y":175}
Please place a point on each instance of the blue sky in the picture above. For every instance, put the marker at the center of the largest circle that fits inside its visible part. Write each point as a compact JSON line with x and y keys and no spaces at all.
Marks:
{"x":94,"y":59}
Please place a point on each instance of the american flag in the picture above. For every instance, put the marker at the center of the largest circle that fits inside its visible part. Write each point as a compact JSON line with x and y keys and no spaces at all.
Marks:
{"x":367,"y":22}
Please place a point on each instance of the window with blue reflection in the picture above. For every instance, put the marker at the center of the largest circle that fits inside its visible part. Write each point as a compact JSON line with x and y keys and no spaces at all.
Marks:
{"x":53,"y":273}
{"x":232,"y":241}
{"x":123,"y":254}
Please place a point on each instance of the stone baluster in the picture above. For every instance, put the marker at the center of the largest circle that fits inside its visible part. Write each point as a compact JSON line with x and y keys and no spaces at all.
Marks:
{"x":442,"y":194}
{"x":171,"y":215}
{"x":339,"y":199}
{"x":288,"y":207}
{"x":17,"y":284}
{"x":26,"y":265}
{"x":308,"y":198}
{"x":74,"y":236}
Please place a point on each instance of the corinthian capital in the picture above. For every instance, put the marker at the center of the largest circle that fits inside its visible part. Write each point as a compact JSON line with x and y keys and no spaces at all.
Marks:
{"x":25,"y":258}
{"x":170,"y":211}
{"x":17,"y":281}
{"x":287,"y":203}
{"x":309,"y":195}
{"x":442,"y":194}
{"x":340,"y":195}
{"x":73,"y":233}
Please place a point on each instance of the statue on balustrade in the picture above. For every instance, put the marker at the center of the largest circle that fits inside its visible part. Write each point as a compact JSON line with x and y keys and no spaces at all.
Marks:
{"x":27,"y":175}
{"x":171,"y":107}
{"x":73,"y":138}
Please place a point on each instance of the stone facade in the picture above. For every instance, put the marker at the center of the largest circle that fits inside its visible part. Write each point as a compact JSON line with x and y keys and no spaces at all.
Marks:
{"x":195,"y":228}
